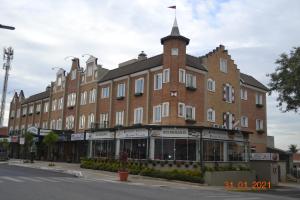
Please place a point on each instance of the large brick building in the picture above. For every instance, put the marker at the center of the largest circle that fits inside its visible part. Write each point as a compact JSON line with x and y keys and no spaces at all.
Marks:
{"x":172,"y":106}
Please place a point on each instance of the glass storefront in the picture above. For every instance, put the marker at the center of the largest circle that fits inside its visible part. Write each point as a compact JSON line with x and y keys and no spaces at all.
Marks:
{"x":236,"y":151}
{"x":103,"y":148}
{"x":135,"y":148}
{"x":213,"y":150}
{"x":175,"y":149}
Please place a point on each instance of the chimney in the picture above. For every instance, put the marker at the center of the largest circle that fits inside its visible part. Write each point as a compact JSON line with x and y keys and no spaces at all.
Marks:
{"x":142,"y":56}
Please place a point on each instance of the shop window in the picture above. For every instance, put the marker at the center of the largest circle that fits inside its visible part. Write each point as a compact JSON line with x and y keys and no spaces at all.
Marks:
{"x":103,"y":148}
{"x":213,"y":150}
{"x":236,"y":151}
{"x":175,"y":149}
{"x":135,"y":148}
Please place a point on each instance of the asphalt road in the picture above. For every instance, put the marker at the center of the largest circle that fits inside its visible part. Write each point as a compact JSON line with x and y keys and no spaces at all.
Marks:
{"x":32,"y":184}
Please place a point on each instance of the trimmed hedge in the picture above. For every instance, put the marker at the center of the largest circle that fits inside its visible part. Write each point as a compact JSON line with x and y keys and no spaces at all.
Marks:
{"x":142,"y":169}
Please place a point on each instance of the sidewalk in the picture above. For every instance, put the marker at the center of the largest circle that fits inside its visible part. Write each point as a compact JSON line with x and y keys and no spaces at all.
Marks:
{"x":74,"y":169}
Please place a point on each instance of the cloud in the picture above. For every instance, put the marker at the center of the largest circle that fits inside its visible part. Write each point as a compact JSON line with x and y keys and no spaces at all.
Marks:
{"x":255,"y":33}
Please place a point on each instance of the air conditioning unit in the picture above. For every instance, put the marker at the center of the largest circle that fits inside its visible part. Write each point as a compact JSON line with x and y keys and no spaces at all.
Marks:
{"x":223,"y":126}
{"x":215,"y":126}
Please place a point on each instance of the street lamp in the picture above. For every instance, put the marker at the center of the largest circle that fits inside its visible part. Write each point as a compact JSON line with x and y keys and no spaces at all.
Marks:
{"x":7,"y":27}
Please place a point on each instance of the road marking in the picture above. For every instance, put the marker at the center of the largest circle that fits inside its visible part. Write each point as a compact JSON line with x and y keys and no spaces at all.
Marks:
{"x":12,"y":179}
{"x":29,"y":179}
{"x":64,"y":179}
{"x":223,"y":196}
{"x":47,"y":179}
{"x":244,"y":198}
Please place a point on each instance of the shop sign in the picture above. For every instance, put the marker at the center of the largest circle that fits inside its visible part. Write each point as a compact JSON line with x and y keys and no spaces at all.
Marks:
{"x":221,"y":135}
{"x":132,"y":133}
{"x":33,"y":130}
{"x":14,"y":139}
{"x":174,"y":132}
{"x":264,"y":156}
{"x":22,"y":140}
{"x":100,"y":135}
{"x":77,"y":136}
{"x":44,"y":132}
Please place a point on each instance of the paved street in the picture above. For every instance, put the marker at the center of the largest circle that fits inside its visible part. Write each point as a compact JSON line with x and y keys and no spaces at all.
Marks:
{"x":34,"y":184}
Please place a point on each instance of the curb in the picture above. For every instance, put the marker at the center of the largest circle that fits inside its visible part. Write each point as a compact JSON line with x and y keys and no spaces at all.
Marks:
{"x":69,"y":172}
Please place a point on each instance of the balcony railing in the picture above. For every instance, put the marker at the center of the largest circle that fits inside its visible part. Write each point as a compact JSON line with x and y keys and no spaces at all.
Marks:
{"x":96,"y":126}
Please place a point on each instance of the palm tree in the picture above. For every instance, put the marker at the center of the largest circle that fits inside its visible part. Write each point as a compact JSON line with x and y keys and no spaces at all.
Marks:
{"x":293,"y":148}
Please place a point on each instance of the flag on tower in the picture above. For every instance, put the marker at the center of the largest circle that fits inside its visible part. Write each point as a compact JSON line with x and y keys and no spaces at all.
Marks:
{"x":173,"y":7}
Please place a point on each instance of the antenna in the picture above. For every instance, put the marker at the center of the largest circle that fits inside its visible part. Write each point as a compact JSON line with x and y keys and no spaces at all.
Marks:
{"x":8,"y":55}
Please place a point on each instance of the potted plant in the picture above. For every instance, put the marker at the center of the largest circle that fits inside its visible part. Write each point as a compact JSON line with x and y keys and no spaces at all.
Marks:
{"x":123,"y":172}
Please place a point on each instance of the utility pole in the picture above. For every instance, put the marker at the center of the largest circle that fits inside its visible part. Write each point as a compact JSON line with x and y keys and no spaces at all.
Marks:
{"x":7,"y":57}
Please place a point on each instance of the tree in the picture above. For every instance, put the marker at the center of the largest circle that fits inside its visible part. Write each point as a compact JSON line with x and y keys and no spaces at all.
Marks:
{"x":293,"y":148}
{"x":28,"y":141}
{"x":49,"y":140}
{"x":286,"y":81}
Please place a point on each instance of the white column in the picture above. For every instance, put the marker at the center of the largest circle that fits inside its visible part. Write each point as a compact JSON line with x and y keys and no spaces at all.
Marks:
{"x":225,"y":152}
{"x":90,"y":148}
{"x":117,"y":148}
{"x":152,"y":148}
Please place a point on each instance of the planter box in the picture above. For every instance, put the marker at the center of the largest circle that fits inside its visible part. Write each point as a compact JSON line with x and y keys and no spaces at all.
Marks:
{"x":220,"y":177}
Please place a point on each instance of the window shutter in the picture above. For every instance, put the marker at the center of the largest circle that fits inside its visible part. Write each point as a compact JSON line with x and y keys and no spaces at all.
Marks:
{"x":224,"y":119}
{"x":224,"y":92}
{"x":233,"y":120}
{"x":232,"y":95}
{"x":194,"y":113}
{"x":246,"y":121}
{"x":214,"y":85}
{"x":245,"y":92}
{"x":213,"y":115}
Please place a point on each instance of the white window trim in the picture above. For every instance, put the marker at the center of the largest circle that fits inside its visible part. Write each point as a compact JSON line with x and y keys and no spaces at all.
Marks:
{"x":193,"y":112}
{"x":213,"y":113}
{"x":121,"y":90}
{"x":244,"y":95}
{"x":155,"y":108}
{"x":136,"y":83}
{"x":140,"y":121}
{"x":119,"y":118}
{"x":213,"y":84}
{"x":165,"y":109}
{"x":174,"y":51}
{"x":104,"y":94}
{"x":166,"y":76}
{"x":158,"y":85}
{"x":246,"y":121}
{"x":183,"y":111}
{"x":222,"y":61}
{"x":259,"y":124}
{"x":193,"y":78}
{"x":183,"y":76}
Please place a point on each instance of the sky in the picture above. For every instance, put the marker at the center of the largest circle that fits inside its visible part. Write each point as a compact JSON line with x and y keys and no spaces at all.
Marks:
{"x":255,"y":33}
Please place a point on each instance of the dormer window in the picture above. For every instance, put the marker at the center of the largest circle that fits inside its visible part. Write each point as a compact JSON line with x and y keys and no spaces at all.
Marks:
{"x":174,"y":51}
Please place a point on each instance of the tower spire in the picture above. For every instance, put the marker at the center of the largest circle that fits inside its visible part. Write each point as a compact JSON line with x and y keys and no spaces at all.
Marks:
{"x":175,"y":29}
